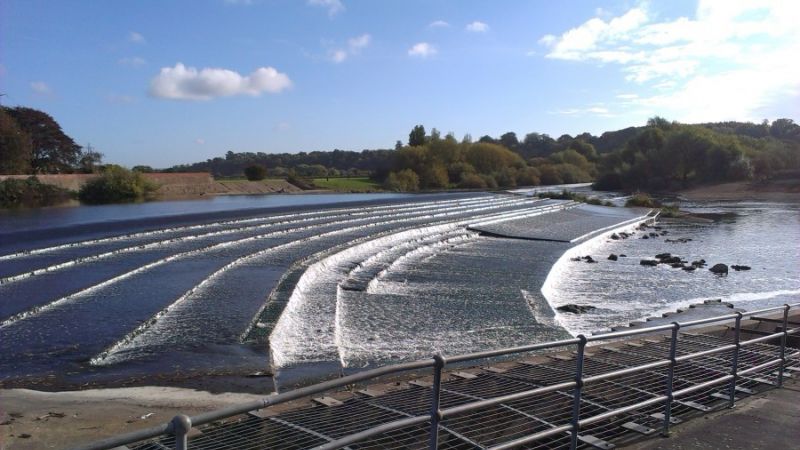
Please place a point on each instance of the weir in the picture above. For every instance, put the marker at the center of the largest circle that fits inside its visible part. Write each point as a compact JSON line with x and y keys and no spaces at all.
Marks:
{"x":601,"y":391}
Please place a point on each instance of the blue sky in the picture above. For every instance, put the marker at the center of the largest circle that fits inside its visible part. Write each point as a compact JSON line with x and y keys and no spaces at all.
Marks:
{"x":167,"y":82}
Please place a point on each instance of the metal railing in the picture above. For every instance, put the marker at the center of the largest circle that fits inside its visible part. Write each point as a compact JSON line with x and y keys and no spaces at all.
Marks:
{"x":181,"y":425}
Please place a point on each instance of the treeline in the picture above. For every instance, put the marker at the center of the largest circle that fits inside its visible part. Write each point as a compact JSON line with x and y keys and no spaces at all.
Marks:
{"x":661,"y":155}
{"x":312,"y":164}
{"x":668,"y":155}
{"x":435,"y":162}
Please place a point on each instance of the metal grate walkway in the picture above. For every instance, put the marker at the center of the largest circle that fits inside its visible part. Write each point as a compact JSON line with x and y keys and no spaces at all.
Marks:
{"x":500,"y":424}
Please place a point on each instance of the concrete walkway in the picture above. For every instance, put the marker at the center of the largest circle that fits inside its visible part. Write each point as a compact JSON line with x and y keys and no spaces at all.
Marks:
{"x":769,"y":420}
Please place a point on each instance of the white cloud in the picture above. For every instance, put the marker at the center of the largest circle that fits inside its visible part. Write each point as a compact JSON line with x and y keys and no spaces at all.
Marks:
{"x":359,"y":42}
{"x":438,"y":24}
{"x":477,"y":27}
{"x":41,"y":88}
{"x":729,"y":61}
{"x":188,"y":83}
{"x":239,"y":2}
{"x":422,"y":50}
{"x":334,"y":6}
{"x":132,"y":61}
{"x":354,"y":47}
{"x":136,"y":38}
{"x":200,"y":141}
{"x":597,"y":110}
{"x":282,"y":126}
{"x":339,"y":55}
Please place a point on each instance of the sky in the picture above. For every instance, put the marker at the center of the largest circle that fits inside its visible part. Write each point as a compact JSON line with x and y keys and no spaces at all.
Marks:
{"x":167,"y":82}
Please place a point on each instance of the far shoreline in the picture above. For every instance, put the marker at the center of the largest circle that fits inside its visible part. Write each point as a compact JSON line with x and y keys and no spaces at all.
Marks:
{"x":744,"y":191}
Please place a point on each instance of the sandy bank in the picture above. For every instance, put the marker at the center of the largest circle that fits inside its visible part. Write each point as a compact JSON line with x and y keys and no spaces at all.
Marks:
{"x":65,"y":419}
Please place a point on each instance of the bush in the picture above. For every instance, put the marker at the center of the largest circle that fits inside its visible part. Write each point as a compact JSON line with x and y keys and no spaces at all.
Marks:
{"x":472,"y":181}
{"x":405,"y":180}
{"x":550,"y":175}
{"x":528,"y":176}
{"x":116,"y":185}
{"x":611,"y":181}
{"x":303,"y":184}
{"x":256,"y":172}
{"x":643,"y":200}
{"x":30,"y":193}
{"x":491,"y":183}
{"x":671,"y":211}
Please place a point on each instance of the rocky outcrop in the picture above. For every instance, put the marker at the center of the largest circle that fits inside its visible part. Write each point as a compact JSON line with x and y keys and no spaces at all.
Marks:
{"x":719,"y":269}
{"x":576,"y":309}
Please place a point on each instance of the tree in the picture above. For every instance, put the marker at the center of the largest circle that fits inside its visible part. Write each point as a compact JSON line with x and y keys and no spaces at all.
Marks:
{"x":256,"y":172}
{"x":90,"y":160}
{"x":417,"y":136}
{"x":405,"y":180}
{"x":52,"y":150}
{"x":509,"y":140}
{"x":15,"y":146}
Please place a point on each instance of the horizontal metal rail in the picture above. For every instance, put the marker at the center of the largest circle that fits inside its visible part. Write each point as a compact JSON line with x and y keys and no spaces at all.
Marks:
{"x":180,"y":426}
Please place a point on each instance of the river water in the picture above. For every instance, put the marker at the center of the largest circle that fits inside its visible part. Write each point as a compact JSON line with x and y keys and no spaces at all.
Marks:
{"x":339,"y":282}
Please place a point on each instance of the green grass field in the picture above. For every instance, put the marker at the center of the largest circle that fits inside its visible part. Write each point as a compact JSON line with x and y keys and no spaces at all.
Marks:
{"x":358,"y":184}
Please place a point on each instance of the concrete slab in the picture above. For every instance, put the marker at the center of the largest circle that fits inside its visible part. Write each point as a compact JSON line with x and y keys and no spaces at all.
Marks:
{"x":768,"y":420}
{"x":563,"y":226}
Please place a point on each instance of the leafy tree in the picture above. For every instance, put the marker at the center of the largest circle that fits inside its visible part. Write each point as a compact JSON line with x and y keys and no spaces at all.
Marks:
{"x":52,"y":150}
{"x":256,"y":172}
{"x":434,"y":176}
{"x":489,"y":158}
{"x":529,"y":176}
{"x":509,"y":140}
{"x":472,"y":181}
{"x":90,"y":160}
{"x":417,"y":136}
{"x":15,"y":146}
{"x":404,"y":181}
{"x":549,"y":175}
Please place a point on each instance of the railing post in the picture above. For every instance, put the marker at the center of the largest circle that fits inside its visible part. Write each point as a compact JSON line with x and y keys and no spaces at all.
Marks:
{"x":735,"y":365}
{"x":783,"y":343}
{"x":181,"y":424}
{"x":673,"y":347}
{"x":576,"y":401}
{"x":436,"y":416}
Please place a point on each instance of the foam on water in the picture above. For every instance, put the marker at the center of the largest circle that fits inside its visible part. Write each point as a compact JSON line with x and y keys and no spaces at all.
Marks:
{"x":763,"y":236}
{"x":306,"y":331}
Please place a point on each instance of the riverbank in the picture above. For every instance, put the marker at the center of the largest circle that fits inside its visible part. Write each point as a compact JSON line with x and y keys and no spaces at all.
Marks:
{"x":776,"y":191}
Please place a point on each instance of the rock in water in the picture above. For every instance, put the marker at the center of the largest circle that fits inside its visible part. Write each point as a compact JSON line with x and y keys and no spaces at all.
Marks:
{"x":575,"y":309}
{"x":612,"y":257}
{"x":689,"y":268}
{"x":719,"y":269}
{"x":648,"y":262}
{"x":738,"y":267}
